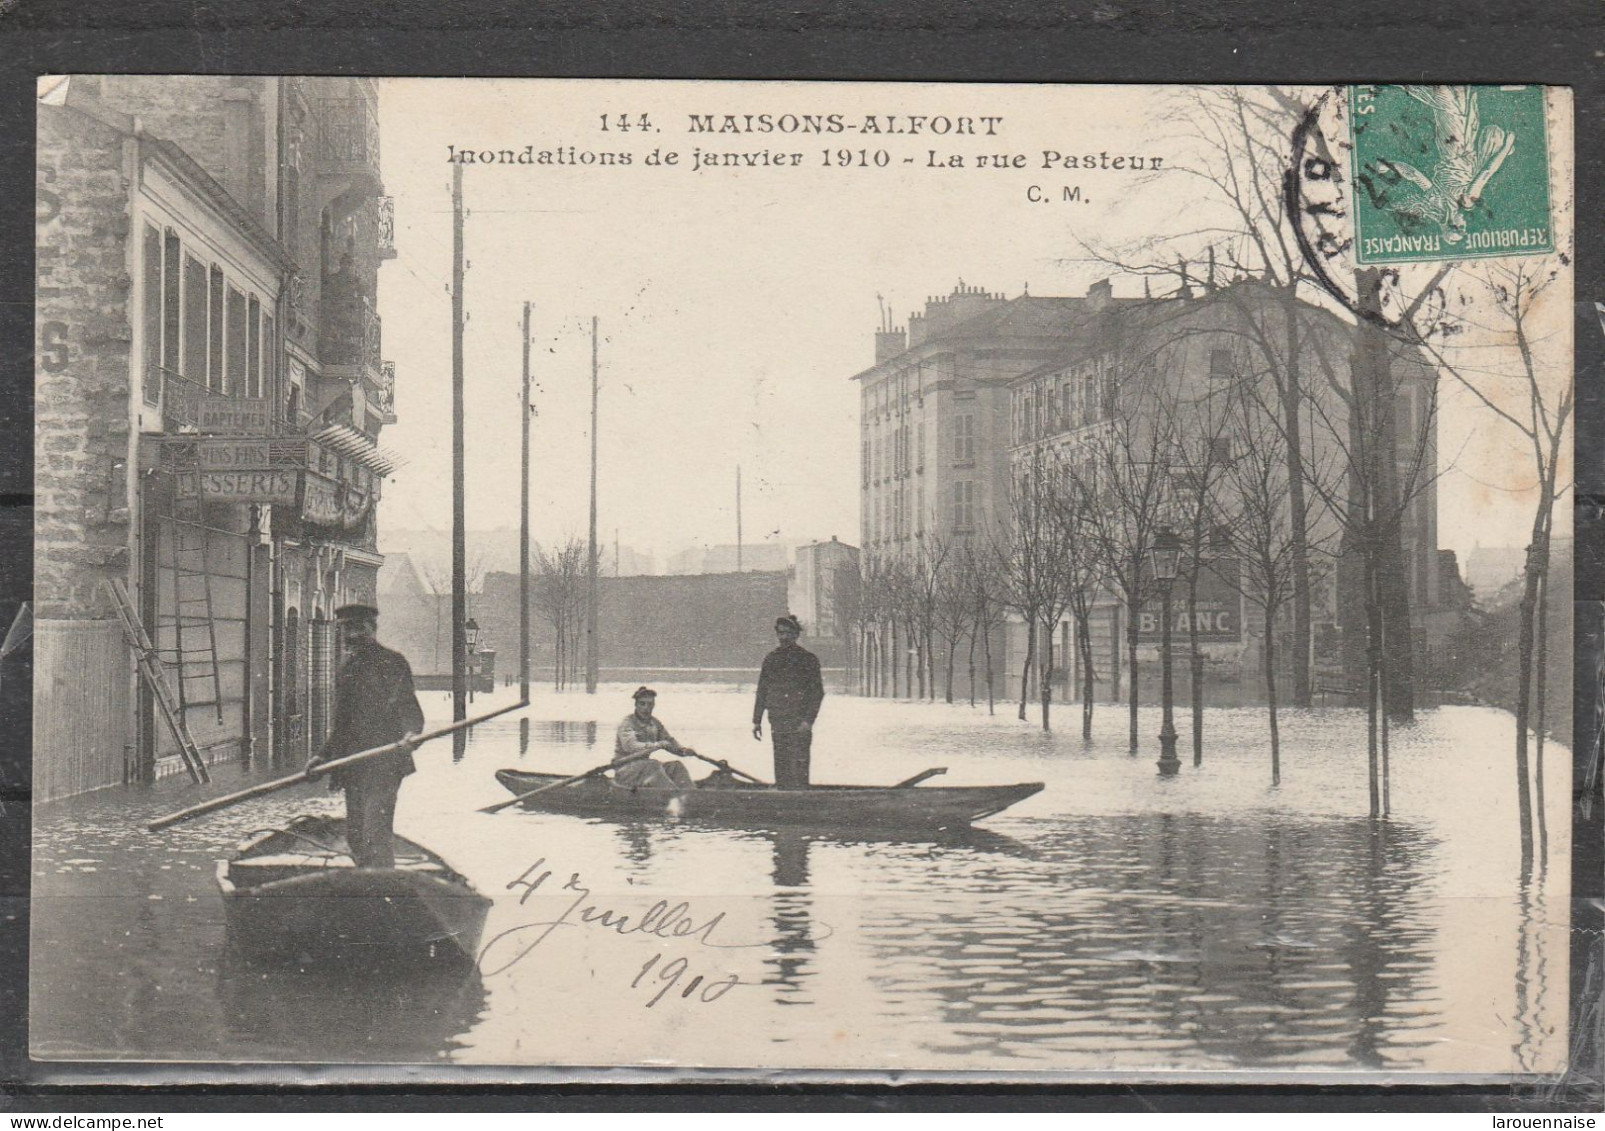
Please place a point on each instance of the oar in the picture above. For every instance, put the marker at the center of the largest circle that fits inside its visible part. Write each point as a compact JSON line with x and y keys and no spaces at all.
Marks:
{"x":728,"y":768}
{"x":319,"y":770}
{"x":917,"y":778}
{"x":594,"y":771}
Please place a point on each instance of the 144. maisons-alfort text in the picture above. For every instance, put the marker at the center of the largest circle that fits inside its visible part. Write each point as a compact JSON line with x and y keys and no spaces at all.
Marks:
{"x":874,"y":128}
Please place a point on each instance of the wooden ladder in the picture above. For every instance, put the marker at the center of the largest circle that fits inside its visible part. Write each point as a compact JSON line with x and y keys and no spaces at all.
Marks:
{"x":150,"y":669}
{"x":195,"y":658}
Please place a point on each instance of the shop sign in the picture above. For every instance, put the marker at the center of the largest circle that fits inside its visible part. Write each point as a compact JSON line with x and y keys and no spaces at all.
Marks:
{"x":234,"y":455}
{"x":321,"y":500}
{"x":266,"y":485}
{"x":1218,"y":611}
{"x":228,"y":414}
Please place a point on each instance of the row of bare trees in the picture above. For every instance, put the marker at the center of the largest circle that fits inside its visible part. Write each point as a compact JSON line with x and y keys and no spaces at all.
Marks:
{"x":1167,"y":447}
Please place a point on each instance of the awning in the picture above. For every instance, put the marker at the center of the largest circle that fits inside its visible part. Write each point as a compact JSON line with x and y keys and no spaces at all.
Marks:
{"x":349,"y":443}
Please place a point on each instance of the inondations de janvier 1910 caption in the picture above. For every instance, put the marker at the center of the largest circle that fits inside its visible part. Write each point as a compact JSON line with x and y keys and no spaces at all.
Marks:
{"x":944,"y":141}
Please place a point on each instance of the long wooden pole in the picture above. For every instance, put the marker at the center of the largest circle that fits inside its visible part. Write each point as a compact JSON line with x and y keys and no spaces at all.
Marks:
{"x":523,"y":532}
{"x":591,"y":665}
{"x":594,"y":771}
{"x":459,"y":564}
{"x":317,"y":771}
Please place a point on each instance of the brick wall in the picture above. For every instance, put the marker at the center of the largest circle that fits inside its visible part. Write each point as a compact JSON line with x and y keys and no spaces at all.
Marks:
{"x":698,"y":620}
{"x":82,"y":365}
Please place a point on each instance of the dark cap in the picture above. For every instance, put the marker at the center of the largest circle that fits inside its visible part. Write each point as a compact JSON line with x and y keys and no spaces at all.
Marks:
{"x":644,"y":693}
{"x":789,"y":621}
{"x":356,"y":612}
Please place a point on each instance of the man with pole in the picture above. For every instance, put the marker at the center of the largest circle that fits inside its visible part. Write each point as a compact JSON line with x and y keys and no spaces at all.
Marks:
{"x":375,"y":705}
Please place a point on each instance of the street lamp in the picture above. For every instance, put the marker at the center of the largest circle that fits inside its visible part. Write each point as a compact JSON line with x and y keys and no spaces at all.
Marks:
{"x":471,"y":635}
{"x":1166,"y":555}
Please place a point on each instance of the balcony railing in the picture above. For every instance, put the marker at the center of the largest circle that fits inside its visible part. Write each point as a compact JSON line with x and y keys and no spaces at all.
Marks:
{"x":348,"y":133}
{"x":387,"y":227}
{"x":182,"y":401}
{"x":350,"y":334}
{"x":384,"y":398}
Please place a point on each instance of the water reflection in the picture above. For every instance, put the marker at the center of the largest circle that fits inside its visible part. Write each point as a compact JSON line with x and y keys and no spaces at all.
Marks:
{"x":792,"y":958}
{"x":562,"y":733}
{"x":347,"y":1013}
{"x":1253,"y":944}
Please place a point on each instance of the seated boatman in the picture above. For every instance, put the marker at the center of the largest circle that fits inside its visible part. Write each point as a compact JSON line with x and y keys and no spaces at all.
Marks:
{"x":639,"y":734}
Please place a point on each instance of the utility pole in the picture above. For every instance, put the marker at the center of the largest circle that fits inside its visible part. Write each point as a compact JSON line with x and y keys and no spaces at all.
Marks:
{"x":738,"y":518}
{"x":523,"y":532}
{"x":591,"y":667}
{"x":459,"y":588}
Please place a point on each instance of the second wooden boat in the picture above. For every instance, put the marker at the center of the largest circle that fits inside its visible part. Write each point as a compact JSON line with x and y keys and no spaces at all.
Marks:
{"x":294,"y":893}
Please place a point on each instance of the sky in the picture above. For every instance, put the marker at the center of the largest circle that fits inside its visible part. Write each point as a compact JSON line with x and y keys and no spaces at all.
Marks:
{"x":735,"y":304}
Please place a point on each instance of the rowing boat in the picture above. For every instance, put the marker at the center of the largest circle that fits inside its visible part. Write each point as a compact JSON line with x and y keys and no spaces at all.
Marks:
{"x":855,"y":807}
{"x":295,"y":893}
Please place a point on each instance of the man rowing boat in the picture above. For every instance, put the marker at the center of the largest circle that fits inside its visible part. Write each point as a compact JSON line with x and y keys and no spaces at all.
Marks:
{"x":639,"y":734}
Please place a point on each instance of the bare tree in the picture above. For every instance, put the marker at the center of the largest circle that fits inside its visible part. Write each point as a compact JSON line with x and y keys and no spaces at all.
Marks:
{"x":1382,"y":424}
{"x":1123,"y":468}
{"x":1535,"y":397}
{"x":1241,"y":137}
{"x":986,"y":614}
{"x":560,"y":593}
{"x":952,"y":609}
{"x":1253,"y":496}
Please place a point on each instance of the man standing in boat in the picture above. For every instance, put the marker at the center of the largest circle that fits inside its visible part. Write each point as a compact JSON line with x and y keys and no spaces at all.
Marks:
{"x":375,"y":705}
{"x":791,"y":690}
{"x":639,"y":735}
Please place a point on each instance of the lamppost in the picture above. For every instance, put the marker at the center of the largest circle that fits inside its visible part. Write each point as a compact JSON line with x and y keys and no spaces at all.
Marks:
{"x":1166,"y":554}
{"x":471,"y":636}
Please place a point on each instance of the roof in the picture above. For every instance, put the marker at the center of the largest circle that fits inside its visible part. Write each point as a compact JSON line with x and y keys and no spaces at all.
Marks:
{"x":1022,"y":319}
{"x":399,"y":576}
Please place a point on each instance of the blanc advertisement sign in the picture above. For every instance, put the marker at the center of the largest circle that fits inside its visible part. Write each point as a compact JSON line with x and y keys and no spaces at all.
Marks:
{"x":1219,"y":609}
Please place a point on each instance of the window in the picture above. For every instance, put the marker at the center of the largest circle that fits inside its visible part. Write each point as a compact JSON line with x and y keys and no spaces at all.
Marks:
{"x":1067,"y":417}
{"x":1220,"y":365}
{"x":237,"y":342}
{"x":170,"y":301}
{"x":214,"y":351}
{"x":964,"y":438}
{"x":964,"y":505}
{"x":195,"y":320}
{"x":270,"y":358}
{"x":865,"y":464}
{"x":152,"y":299}
{"x":253,"y":353}
{"x":920,"y":466}
{"x":1404,"y":434}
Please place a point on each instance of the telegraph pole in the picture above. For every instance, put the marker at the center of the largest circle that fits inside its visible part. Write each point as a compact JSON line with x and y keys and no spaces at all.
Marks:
{"x":459,"y":588}
{"x":591,"y":667}
{"x":738,"y":518}
{"x":523,"y":533}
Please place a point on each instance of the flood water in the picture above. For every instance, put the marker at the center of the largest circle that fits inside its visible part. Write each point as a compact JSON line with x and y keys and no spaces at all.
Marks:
{"x":1116,"y":922}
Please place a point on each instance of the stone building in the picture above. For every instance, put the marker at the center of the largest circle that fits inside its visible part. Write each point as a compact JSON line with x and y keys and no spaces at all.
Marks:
{"x":1195,"y":351}
{"x":821,"y":586}
{"x":209,"y":397}
{"x":934,"y":425}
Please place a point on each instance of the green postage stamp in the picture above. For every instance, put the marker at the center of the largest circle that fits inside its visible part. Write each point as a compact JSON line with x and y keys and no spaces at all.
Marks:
{"x":1450,"y":172}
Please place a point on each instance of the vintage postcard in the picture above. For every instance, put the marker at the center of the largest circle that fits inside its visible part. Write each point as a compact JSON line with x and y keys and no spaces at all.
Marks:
{"x":543,"y":578}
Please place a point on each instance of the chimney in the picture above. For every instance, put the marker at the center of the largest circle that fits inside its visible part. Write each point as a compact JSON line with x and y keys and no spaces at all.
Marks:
{"x":1185,"y":290}
{"x":1100,"y":294}
{"x":1209,"y":285}
{"x":943,"y":312}
{"x":889,"y":343}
